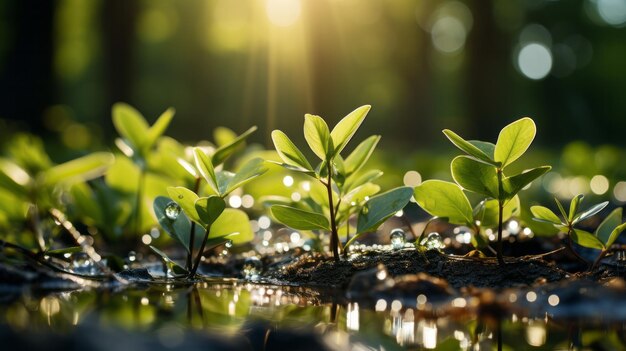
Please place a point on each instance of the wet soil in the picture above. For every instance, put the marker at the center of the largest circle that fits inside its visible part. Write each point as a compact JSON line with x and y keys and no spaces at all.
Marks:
{"x":318,"y":270}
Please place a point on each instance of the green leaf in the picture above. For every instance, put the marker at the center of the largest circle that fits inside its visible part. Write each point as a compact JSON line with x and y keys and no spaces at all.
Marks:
{"x":561,"y":209}
{"x":345,"y":129}
{"x":130,"y":124}
{"x":232,"y":221}
{"x":356,"y":180}
{"x":223,"y":136}
{"x":83,"y":168}
{"x":205,"y":166}
{"x":544,"y":214}
{"x":289,"y":152}
{"x":248,"y":172}
{"x":573,"y":206}
{"x":586,"y":239}
{"x":159,"y":127}
{"x":187,"y":201}
{"x":475,"y":176}
{"x":171,"y":264}
{"x":514,"y":184}
{"x":514,"y":140}
{"x":225,"y":151}
{"x":382,"y":206}
{"x":488,"y":212}
{"x":178,"y":228}
{"x":209,"y":209}
{"x":486,"y":147}
{"x":590,"y":212}
{"x":299,"y":219}
{"x":317,"y":135}
{"x":444,"y":199}
{"x":357,"y":158}
{"x":13,"y":178}
{"x":615,"y":233}
{"x":468,"y":147}
{"x":605,"y":229}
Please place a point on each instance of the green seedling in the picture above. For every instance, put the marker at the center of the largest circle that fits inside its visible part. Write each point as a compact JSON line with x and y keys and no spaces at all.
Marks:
{"x":209,"y":213}
{"x":482,"y":169}
{"x":343,"y":184}
{"x":447,"y":200}
{"x":136,"y":142}
{"x":605,"y":235}
{"x":34,"y":184}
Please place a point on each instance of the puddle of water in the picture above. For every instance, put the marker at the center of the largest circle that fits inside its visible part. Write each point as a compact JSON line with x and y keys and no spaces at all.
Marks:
{"x":266,"y":317}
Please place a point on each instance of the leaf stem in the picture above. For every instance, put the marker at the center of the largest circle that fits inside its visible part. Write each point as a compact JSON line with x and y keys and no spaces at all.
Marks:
{"x":142,"y":174}
{"x":199,"y":255}
{"x":192,"y":231}
{"x":597,"y":261}
{"x":500,"y":214}
{"x":334,"y":236}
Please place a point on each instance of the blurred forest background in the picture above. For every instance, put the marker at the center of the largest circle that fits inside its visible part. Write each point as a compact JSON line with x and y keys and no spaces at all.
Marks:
{"x":468,"y":65}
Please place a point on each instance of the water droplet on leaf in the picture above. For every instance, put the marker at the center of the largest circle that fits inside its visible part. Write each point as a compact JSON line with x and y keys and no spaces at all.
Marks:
{"x":397,"y":238}
{"x":172,"y":210}
{"x":433,"y":241}
{"x":229,"y":243}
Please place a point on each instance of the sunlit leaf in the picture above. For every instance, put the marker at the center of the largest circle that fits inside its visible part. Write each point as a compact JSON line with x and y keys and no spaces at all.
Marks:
{"x":475,"y":176}
{"x":209,"y":209}
{"x":130,"y":124}
{"x":317,"y":135}
{"x":605,"y":229}
{"x":171,"y":264}
{"x":514,"y":184}
{"x":186,"y":199}
{"x":514,"y":140}
{"x":544,"y":214}
{"x":288,"y":151}
{"x":615,"y":234}
{"x":223,"y":136}
{"x":248,"y":172}
{"x":357,"y":158}
{"x":356,"y":179}
{"x":468,"y":147}
{"x":382,"y":206}
{"x":83,"y":168}
{"x":299,"y":219}
{"x":225,"y":151}
{"x":205,"y":166}
{"x":444,"y":199}
{"x":13,"y":178}
{"x":178,"y":227}
{"x":586,"y":239}
{"x":233,"y":224}
{"x":345,"y":129}
{"x":561,"y":209}
{"x":590,"y":212}
{"x":486,"y":147}
{"x":573,"y":207}
{"x":488,"y":212}
{"x":159,"y":127}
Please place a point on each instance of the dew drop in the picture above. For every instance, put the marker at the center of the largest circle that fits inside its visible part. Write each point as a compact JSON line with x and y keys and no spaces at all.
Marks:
{"x":229,"y":243}
{"x":252,"y":268}
{"x":397,"y":238}
{"x":433,"y":241}
{"x":172,"y":210}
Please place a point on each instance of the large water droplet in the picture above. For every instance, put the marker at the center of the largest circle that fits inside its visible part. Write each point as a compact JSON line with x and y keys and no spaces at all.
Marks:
{"x":397,"y":238}
{"x":432,"y":241}
{"x":252,"y":268}
{"x":172,"y":210}
{"x":83,"y":264}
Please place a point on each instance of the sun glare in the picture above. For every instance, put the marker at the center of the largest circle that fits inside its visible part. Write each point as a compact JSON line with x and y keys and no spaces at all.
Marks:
{"x":283,"y":13}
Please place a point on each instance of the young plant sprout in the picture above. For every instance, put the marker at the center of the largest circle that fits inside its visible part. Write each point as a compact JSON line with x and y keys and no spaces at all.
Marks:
{"x":136,"y":142}
{"x":482,"y":170}
{"x":346,"y":190}
{"x":448,"y":201}
{"x":605,"y":235}
{"x":208,"y":212}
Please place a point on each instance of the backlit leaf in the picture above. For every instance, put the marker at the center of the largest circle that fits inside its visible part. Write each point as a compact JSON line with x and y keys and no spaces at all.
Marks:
{"x":299,"y":219}
{"x":225,"y":151}
{"x":544,"y":214}
{"x":345,"y":129}
{"x":444,"y":199}
{"x":586,"y":239}
{"x":205,"y":166}
{"x":514,"y":184}
{"x":468,"y":147}
{"x":357,"y":158}
{"x":514,"y":140}
{"x":317,"y":135}
{"x":475,"y":176}
{"x":382,"y":206}
{"x":209,"y":209}
{"x":289,"y":152}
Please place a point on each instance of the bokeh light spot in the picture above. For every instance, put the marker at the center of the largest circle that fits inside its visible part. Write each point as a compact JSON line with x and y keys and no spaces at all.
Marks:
{"x":535,"y":61}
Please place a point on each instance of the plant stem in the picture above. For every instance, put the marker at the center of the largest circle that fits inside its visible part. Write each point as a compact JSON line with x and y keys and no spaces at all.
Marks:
{"x":345,"y":247}
{"x":192,"y":231}
{"x":199,"y":256}
{"x":500,"y":210}
{"x":142,"y":174}
{"x":334,"y":236}
{"x":597,"y":261}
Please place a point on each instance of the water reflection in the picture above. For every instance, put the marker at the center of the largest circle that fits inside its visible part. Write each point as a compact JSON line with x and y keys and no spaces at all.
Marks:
{"x":235,"y":311}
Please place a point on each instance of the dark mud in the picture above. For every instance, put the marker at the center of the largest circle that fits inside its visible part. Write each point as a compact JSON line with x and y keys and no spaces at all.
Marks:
{"x":318,"y":270}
